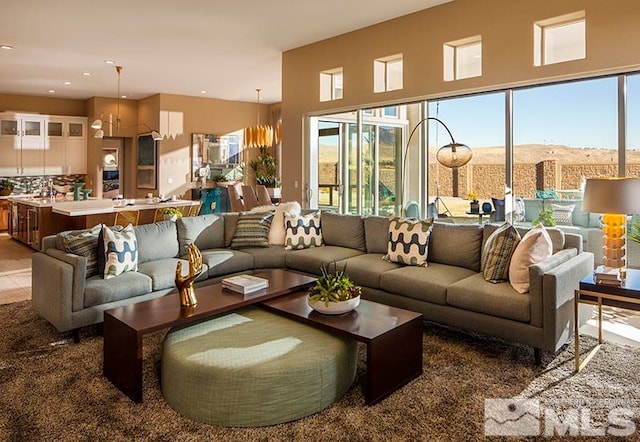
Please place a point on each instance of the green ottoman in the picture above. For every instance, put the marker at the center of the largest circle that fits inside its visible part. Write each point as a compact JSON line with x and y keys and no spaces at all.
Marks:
{"x":252,"y":368}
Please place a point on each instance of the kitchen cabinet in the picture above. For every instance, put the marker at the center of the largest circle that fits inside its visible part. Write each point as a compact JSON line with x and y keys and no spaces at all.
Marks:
{"x":4,"y":215}
{"x":66,"y":146}
{"x":22,"y":144}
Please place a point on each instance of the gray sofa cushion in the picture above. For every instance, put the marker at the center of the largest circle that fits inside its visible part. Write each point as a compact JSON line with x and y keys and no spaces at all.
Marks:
{"x":423,"y":283}
{"x":313,"y":259}
{"x":270,"y":257}
{"x":163,"y":272}
{"x":226,"y":261}
{"x":230,"y":222}
{"x":343,"y":230}
{"x":501,"y":300}
{"x":456,"y":245}
{"x":205,"y":231}
{"x":376,"y":234}
{"x":99,"y":291}
{"x":366,"y":269}
{"x":156,"y":241}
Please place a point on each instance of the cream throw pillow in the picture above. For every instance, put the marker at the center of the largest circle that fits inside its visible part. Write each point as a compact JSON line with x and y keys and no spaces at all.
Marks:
{"x":535,"y":246}
{"x":277,"y":230}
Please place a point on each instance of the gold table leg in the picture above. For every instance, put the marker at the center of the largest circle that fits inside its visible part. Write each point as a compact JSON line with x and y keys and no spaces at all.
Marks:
{"x":594,"y":350}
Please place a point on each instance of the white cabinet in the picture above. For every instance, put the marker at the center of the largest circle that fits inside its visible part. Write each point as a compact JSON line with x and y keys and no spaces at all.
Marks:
{"x":22,"y":144}
{"x":66,"y":146}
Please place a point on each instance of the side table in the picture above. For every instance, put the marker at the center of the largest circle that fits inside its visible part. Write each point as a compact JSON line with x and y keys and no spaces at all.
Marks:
{"x":627,"y":296}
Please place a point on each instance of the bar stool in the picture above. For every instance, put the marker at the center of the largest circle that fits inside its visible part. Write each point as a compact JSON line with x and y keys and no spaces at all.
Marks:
{"x":126,"y":217}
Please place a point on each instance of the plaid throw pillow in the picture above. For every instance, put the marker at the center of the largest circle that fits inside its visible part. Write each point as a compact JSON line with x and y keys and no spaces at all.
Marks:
{"x":84,"y":243}
{"x":497,"y":251}
{"x":252,"y":230}
{"x":408,"y":241}
{"x":302,"y":232}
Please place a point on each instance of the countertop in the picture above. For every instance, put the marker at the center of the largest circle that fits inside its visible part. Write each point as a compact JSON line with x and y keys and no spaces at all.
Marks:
{"x":94,"y":206}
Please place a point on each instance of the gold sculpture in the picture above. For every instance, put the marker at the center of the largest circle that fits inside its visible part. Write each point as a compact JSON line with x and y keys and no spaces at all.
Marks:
{"x":185,"y":283}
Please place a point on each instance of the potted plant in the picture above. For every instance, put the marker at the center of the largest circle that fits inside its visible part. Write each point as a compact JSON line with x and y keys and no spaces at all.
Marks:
{"x":171,"y":213}
{"x":545,"y":216}
{"x":6,"y":187}
{"x":474,"y":205}
{"x":334,"y":293}
{"x":265,"y":169}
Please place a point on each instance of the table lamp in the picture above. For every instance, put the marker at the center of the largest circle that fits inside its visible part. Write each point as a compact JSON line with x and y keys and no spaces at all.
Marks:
{"x":615,"y":198}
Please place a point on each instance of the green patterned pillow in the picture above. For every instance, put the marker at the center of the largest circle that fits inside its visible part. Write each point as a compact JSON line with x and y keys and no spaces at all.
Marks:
{"x":302,"y":232}
{"x":408,"y":241}
{"x":121,"y":251}
{"x":83,"y":243}
{"x":497,"y":252}
{"x":252,"y":230}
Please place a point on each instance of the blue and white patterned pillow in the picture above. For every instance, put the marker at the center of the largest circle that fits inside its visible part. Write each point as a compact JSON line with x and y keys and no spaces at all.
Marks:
{"x":121,"y":251}
{"x":408,"y":241}
{"x":302,"y":232}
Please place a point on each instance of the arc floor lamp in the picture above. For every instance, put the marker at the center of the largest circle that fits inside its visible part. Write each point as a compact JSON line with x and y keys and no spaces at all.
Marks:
{"x":452,"y":155}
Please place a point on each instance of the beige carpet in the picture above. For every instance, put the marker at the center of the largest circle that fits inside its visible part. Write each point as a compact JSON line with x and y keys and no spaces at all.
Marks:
{"x":52,"y":389}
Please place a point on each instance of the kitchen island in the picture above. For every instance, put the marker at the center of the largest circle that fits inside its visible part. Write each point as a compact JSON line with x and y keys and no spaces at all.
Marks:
{"x":31,"y":219}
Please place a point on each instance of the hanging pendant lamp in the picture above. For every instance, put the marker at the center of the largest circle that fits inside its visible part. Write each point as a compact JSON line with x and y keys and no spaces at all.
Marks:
{"x":260,"y":135}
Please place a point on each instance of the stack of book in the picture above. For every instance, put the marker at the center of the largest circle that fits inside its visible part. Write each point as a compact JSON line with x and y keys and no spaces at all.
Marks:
{"x":608,"y":276}
{"x":245,"y":283}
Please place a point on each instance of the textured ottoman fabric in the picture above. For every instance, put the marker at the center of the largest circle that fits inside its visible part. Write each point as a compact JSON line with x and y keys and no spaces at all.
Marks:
{"x":254,"y":368}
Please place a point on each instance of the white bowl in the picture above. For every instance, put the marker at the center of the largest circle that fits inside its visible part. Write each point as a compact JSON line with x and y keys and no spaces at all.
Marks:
{"x":334,"y":308}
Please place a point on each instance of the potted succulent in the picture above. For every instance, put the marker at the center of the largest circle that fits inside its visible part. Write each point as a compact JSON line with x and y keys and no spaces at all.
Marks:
{"x":6,"y":187}
{"x":334,"y":293}
{"x":265,"y":169}
{"x":171,"y":213}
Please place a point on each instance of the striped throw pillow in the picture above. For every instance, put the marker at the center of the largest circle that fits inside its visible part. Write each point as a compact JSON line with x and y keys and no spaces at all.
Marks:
{"x":497,"y":252}
{"x":302,"y":232}
{"x":252,"y":230}
{"x":408,"y":241}
{"x":563,"y":214}
{"x":84,"y":243}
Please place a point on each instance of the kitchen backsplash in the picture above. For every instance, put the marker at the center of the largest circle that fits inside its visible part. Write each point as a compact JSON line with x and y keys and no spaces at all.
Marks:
{"x":32,"y":184}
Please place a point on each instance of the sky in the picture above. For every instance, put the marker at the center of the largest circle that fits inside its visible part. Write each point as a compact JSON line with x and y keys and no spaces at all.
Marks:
{"x":576,"y":114}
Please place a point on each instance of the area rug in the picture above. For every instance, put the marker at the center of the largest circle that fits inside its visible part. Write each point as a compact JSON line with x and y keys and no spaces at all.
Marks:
{"x":52,"y":389}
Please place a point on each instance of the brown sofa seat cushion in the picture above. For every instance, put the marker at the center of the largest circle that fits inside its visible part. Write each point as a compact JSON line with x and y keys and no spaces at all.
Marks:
{"x":366,"y":269}
{"x":313,"y":259}
{"x":501,"y":300}
{"x":423,"y":283}
{"x":456,"y":245}
{"x":270,"y":257}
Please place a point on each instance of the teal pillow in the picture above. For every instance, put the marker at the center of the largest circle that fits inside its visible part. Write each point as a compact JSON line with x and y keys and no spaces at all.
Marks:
{"x":252,"y":230}
{"x":83,"y":243}
{"x":546,"y":194}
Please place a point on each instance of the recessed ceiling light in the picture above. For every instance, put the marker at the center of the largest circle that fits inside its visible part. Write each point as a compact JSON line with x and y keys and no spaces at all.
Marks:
{"x":203,"y":92}
{"x":66,"y":83}
{"x":86,"y":74}
{"x":110,"y":62}
{"x":7,"y":47}
{"x":123,"y":96}
{"x":51,"y":91}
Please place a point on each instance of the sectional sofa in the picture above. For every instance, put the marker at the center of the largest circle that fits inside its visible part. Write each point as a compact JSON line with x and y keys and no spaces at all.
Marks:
{"x":451,"y":290}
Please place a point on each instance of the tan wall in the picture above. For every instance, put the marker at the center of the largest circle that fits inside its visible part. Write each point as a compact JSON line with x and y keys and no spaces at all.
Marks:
{"x":506,"y":27}
{"x":42,"y":105}
{"x":199,"y":115}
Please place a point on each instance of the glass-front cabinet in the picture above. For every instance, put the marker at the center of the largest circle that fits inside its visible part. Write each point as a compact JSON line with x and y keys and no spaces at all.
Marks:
{"x":66,"y":145}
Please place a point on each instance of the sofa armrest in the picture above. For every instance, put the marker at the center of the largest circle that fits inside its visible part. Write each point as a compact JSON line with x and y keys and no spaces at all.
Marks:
{"x":79,"y":265}
{"x":558,"y":291}
{"x":51,"y":289}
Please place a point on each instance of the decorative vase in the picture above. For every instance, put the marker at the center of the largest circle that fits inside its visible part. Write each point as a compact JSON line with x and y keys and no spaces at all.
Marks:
{"x":474,"y":207}
{"x":486,"y":207}
{"x":5,"y":191}
{"x":334,"y":308}
{"x":274,"y":192}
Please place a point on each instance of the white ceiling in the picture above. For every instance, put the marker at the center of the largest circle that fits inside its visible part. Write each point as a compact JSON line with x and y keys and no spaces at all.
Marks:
{"x":227,"y":48}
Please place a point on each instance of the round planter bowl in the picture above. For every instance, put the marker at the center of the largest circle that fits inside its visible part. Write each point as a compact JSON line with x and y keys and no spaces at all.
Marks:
{"x":334,"y":308}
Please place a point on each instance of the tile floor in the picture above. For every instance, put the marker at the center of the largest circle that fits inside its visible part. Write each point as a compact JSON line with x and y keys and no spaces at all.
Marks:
{"x":620,"y":326}
{"x":15,"y":270}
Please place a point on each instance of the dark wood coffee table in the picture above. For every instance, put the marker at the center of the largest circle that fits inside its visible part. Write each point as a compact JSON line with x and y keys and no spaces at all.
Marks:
{"x":124,"y":327}
{"x":393,"y":337}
